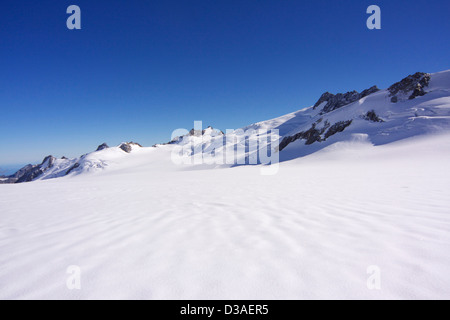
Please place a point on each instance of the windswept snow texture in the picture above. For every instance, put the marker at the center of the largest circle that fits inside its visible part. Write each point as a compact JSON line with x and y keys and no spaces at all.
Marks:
{"x":149,"y":230}
{"x":141,"y":227}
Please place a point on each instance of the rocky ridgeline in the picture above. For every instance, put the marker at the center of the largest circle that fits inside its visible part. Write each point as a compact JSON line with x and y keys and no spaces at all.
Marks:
{"x":314,"y":134}
{"x":412,"y":86}
{"x":36,"y":170}
{"x":32,"y":172}
{"x":209,"y":130}
{"x":333,"y":102}
{"x":195,"y":133}
{"x":336,"y":101}
{"x":15,"y":177}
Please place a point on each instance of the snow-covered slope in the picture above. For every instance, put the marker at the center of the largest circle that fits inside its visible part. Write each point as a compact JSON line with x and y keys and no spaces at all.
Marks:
{"x":379,"y":115}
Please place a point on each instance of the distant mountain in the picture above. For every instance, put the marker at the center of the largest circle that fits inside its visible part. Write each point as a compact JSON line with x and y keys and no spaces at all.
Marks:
{"x":418,"y":104}
{"x":52,"y":167}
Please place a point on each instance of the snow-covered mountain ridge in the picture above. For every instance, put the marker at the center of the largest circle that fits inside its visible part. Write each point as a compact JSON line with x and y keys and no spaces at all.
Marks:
{"x":52,"y":167}
{"x":418,"y":104}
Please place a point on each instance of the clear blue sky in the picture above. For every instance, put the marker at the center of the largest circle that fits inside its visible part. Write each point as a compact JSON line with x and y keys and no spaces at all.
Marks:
{"x":139,"y":69}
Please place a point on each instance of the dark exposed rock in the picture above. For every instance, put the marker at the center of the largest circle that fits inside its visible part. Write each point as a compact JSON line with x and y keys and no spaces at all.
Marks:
{"x":48,"y":162}
{"x":286,"y":141}
{"x":22,"y":171}
{"x":135,"y":143}
{"x":102,"y":147}
{"x":31,"y":172}
{"x":128,"y":146}
{"x":372,"y":116}
{"x":193,"y":132}
{"x":413,"y":85}
{"x":369,"y":91}
{"x":196,"y":133}
{"x":209,"y":127}
{"x":418,"y":91}
{"x":199,"y":133}
{"x":76,"y":165}
{"x":173,"y":141}
{"x":8,"y":181}
{"x":337,"y":127}
{"x":342,"y":99}
{"x":313,"y":134}
{"x":326,"y":96}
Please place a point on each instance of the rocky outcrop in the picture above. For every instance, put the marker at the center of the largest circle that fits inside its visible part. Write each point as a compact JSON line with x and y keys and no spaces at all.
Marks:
{"x":22,"y":171}
{"x":411,"y":87}
{"x":314,"y":134}
{"x":102,"y":147}
{"x":196,"y":133}
{"x":199,"y":133}
{"x":16,"y":176}
{"x":75,"y":166}
{"x":336,"y":101}
{"x":128,"y":146}
{"x":31,"y":172}
{"x":372,"y":117}
{"x":336,"y":128}
{"x":48,"y":162}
